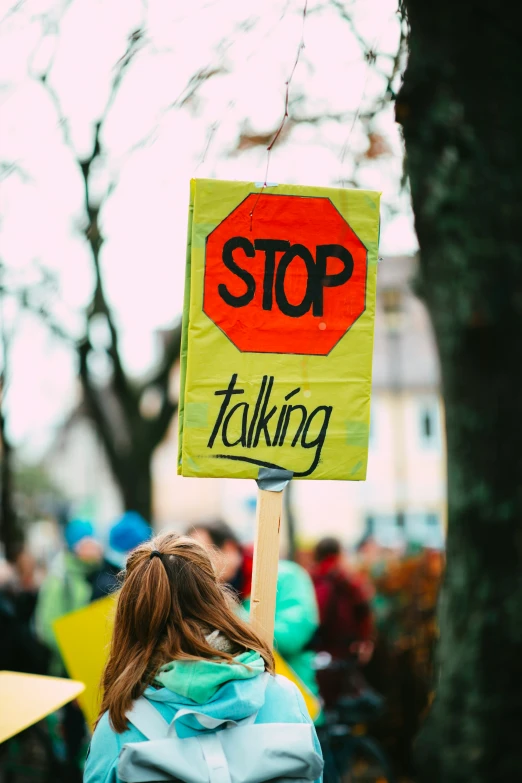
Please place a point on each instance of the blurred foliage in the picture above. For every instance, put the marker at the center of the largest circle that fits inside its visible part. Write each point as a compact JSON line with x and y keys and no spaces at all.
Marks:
{"x":36,"y":495}
{"x":405,"y":594}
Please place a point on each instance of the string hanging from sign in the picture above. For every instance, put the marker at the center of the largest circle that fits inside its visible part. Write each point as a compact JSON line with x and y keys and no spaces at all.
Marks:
{"x":287,"y":93}
{"x":215,"y":126}
{"x":285,"y":116}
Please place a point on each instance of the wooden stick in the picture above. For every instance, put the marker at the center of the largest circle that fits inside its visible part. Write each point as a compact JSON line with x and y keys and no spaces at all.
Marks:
{"x":266,"y":559}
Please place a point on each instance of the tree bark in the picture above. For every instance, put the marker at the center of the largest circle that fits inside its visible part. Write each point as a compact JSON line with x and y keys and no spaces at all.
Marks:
{"x":461,"y":113}
{"x":9,"y":532}
{"x":135,"y":481}
{"x":9,"y":529}
{"x":129,"y":440}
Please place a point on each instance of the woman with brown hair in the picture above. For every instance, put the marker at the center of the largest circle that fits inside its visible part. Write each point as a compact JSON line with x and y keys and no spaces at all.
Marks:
{"x":188,"y":674}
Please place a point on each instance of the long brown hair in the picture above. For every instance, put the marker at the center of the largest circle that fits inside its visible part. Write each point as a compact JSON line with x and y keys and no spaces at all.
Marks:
{"x":166,"y":607}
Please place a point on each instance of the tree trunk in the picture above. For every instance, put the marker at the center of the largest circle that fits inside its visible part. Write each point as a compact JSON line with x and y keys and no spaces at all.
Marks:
{"x":461,"y":113}
{"x":9,"y":533}
{"x":135,"y":482}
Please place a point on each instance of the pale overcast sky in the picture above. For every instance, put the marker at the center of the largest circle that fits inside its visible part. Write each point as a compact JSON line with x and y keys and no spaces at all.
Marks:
{"x":144,"y":218}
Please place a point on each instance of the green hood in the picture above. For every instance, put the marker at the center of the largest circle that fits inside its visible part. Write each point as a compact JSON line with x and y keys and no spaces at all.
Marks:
{"x":79,"y":568}
{"x":200,"y":680}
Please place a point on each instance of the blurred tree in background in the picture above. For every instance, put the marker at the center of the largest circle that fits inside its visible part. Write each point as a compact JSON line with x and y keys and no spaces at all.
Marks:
{"x":461,"y":114}
{"x":131,"y":416}
{"x":137,"y":420}
{"x":36,"y":495}
{"x":406,"y":588}
{"x":8,"y":518}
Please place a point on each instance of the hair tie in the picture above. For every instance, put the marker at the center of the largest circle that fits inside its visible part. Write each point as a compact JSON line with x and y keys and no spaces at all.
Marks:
{"x":154,"y":554}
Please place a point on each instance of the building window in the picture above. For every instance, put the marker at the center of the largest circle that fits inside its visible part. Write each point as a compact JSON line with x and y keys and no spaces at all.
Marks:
{"x":393,"y":306}
{"x":391,"y":301}
{"x":425,"y":529}
{"x":429,"y":424}
{"x":433,"y":533}
{"x":394,"y":530}
{"x":386,"y":529}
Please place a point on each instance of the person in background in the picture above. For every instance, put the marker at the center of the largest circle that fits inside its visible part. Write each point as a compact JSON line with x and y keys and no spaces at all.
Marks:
{"x":25,"y":585}
{"x":346,"y":622}
{"x":20,"y":650}
{"x":296,"y":616}
{"x":126,"y":534}
{"x":68,"y":586}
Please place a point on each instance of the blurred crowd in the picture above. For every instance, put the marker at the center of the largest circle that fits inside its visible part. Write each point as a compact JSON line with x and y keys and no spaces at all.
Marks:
{"x":347,"y":622}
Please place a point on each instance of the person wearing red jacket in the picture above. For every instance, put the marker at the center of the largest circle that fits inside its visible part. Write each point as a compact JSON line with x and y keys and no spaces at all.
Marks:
{"x":346,"y":622}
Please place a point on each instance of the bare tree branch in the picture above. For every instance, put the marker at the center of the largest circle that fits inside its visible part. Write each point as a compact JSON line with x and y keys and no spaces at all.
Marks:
{"x":170,"y":356}
{"x":129,"y":457}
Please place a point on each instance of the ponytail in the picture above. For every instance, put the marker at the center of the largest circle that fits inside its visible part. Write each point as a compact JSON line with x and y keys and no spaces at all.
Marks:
{"x":146,"y":594}
{"x":169,"y":601}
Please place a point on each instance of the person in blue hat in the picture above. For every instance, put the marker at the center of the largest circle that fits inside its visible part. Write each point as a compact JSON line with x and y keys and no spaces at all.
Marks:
{"x":126,"y":534}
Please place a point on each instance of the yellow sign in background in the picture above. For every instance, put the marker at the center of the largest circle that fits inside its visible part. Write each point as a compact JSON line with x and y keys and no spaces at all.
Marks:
{"x":319,"y":444}
{"x":84,"y":640}
{"x":27,"y":698}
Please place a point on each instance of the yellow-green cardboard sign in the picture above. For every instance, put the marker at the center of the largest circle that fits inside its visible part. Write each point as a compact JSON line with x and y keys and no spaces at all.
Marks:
{"x":277,"y":341}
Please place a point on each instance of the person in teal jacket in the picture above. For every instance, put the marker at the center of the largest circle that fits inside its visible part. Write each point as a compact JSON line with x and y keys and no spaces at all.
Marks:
{"x":179,"y":644}
{"x":296,"y":614}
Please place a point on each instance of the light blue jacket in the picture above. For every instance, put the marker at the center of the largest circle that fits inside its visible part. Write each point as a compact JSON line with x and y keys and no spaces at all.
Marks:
{"x":277,"y":702}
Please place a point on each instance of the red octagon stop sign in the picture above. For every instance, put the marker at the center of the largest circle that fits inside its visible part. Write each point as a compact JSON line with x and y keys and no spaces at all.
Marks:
{"x":284,"y":274}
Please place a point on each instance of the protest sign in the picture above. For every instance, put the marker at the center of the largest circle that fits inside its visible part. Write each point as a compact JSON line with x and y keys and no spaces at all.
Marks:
{"x":83,"y":637}
{"x":27,"y":698}
{"x":277,"y":342}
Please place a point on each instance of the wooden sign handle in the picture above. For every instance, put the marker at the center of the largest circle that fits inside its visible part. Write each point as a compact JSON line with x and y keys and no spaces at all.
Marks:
{"x":266,"y":559}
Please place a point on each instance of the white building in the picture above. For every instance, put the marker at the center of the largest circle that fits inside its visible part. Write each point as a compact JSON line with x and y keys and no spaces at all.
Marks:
{"x":404,"y":496}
